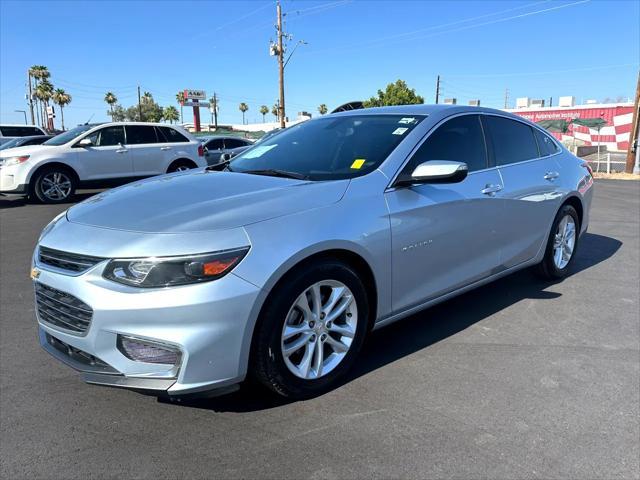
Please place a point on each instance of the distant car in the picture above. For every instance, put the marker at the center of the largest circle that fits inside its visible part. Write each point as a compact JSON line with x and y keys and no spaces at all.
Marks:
{"x":8,"y":132}
{"x":97,"y":155}
{"x":215,"y":147}
{"x":25,"y":141}
{"x":229,"y":154}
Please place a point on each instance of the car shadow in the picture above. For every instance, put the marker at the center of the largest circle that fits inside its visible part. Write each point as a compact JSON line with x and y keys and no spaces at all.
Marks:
{"x":428,"y":327}
{"x":13,"y":202}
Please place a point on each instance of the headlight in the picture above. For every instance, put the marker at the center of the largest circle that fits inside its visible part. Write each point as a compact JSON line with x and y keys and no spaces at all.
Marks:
{"x":8,"y":161}
{"x":169,"y":271}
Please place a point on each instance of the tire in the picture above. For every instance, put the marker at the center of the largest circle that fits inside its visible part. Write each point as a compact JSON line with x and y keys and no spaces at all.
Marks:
{"x":53,"y":184}
{"x":181,"y":165}
{"x":284,"y":374}
{"x":555,"y":264}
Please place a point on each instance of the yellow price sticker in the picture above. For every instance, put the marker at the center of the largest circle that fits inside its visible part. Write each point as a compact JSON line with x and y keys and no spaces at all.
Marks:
{"x":357,"y":163}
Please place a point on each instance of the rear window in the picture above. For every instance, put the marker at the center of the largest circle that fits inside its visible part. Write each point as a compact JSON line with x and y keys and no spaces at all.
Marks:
{"x":141,"y":134}
{"x":171,"y":135}
{"x":512,"y":141}
{"x":235,"y":143}
{"x":545,"y":144}
{"x":19,"y":131}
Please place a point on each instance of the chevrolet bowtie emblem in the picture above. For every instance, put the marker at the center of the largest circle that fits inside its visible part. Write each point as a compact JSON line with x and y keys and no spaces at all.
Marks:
{"x":35,"y":273}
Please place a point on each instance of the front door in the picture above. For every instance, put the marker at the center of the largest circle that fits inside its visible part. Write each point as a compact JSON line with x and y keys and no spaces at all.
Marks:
{"x":444,"y":235}
{"x":107,"y":157}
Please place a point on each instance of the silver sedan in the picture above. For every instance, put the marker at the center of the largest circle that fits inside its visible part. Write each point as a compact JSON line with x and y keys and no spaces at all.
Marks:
{"x":277,"y":264}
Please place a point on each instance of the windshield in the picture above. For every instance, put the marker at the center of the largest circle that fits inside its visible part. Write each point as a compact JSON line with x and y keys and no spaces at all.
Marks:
{"x":68,"y":136}
{"x":329,"y":148}
{"x":11,"y":143}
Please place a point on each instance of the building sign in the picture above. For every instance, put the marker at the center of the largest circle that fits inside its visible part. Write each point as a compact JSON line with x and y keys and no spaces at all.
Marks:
{"x":194,"y":94}
{"x":196,"y":103}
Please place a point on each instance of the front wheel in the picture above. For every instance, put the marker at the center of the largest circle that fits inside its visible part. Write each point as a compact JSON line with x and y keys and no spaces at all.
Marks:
{"x":311,"y":330}
{"x":561,"y":245}
{"x":53,"y":185}
{"x":181,"y":166}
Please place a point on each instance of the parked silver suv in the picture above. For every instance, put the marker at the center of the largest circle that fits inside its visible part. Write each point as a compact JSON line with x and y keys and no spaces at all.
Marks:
{"x":278,"y":263}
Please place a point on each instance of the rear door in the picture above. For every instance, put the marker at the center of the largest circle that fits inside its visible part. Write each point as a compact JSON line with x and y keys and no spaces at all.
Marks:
{"x":530,"y":175}
{"x":444,"y":235}
{"x":107,"y":158}
{"x":147,"y":150}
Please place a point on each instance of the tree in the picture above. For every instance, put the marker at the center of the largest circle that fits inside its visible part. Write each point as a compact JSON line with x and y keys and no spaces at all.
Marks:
{"x":323,"y":109}
{"x":44,"y":91}
{"x":243,"y":108}
{"x":39,"y":73}
{"x":395,"y":94}
{"x":147,"y":97}
{"x":180,"y":100}
{"x":264,"y":110}
{"x":61,"y":98}
{"x":111,"y":100}
{"x":275,"y":111}
{"x":171,"y":114}
{"x":151,"y":111}
{"x":118,"y":114}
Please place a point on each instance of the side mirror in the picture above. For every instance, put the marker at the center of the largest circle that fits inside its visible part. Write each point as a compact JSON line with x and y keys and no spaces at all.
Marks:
{"x":85,"y":142}
{"x":436,"y":171}
{"x":224,"y":157}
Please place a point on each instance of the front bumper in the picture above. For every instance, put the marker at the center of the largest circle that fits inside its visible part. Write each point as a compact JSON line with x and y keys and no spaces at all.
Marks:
{"x":208,"y":323}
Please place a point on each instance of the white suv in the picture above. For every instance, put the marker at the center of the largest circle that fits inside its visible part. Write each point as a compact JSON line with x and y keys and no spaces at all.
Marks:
{"x":97,"y":155}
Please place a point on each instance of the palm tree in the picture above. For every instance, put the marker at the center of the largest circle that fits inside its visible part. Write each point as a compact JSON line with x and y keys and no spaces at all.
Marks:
{"x":61,"y":98}
{"x":243,"y":108}
{"x":44,"y":91}
{"x":111,"y":100}
{"x":147,"y":97}
{"x":171,"y":114}
{"x":180,"y":100}
{"x":39,"y":73}
{"x":275,"y":111}
{"x":323,"y":109}
{"x":264,"y":110}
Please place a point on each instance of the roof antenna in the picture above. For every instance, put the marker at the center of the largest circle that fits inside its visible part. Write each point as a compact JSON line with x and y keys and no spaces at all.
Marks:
{"x":87,"y":122}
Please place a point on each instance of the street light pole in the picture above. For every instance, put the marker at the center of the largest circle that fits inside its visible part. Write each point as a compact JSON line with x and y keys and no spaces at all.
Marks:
{"x":24,"y":112}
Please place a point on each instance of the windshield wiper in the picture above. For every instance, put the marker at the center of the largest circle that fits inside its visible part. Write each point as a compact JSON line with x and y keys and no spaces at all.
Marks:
{"x":274,"y":172}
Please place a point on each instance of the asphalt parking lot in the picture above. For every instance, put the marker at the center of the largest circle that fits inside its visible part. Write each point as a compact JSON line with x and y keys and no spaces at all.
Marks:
{"x":518,"y":379}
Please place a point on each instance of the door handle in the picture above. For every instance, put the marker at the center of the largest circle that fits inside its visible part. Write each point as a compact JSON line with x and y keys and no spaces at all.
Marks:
{"x":491,"y":189}
{"x":165,"y":148}
{"x":122,"y":150}
{"x":551,"y":175}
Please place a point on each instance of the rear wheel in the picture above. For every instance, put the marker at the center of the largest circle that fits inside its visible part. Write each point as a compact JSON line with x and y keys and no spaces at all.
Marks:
{"x":561,"y":245}
{"x":311,"y":330}
{"x":181,"y":165}
{"x":53,"y":185}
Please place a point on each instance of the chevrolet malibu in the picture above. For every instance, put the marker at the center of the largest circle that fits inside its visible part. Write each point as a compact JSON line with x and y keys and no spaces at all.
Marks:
{"x":277,"y":264}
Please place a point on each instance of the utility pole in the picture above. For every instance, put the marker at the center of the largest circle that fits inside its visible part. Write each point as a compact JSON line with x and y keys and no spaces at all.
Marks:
{"x":437,"y":89}
{"x":33,"y":118}
{"x":215,"y":110}
{"x":506,"y":98}
{"x":551,"y":101}
{"x":281,"y":64}
{"x":632,"y":160}
{"x":139,"y":104}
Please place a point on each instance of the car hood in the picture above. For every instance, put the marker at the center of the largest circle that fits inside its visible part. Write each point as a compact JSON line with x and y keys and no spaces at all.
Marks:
{"x":199,"y":201}
{"x":26,"y":150}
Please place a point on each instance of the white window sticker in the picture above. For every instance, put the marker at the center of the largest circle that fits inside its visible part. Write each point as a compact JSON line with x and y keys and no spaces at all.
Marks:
{"x":407,"y":120}
{"x":399,"y":131}
{"x":256,"y":152}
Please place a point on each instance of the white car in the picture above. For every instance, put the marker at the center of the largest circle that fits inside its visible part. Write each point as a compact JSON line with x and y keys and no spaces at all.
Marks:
{"x":8,"y":132}
{"x":97,"y":155}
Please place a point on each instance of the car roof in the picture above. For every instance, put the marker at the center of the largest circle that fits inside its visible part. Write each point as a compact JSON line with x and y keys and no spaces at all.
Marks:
{"x":18,"y":125}
{"x":424,"y":109}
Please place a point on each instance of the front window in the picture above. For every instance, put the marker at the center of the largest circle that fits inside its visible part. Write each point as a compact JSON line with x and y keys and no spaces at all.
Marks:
{"x":329,"y":148}
{"x":66,"y":137}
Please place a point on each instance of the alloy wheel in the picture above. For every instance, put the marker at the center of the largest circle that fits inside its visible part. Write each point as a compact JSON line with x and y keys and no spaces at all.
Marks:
{"x":319,"y":329}
{"x":56,"y":186}
{"x":564,"y":242}
{"x":182,"y":168}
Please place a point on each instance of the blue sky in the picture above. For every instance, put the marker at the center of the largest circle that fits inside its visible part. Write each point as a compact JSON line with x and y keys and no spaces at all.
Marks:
{"x":539,"y":49}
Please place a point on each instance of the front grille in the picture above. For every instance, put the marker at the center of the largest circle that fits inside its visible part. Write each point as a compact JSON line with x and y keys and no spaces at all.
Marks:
{"x":72,"y":262}
{"x":62,"y":310}
{"x":79,"y":358}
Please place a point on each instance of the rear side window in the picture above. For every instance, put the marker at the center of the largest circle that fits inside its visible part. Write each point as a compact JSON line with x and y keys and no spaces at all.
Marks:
{"x":215,"y":144}
{"x":512,"y":141}
{"x":459,"y":139}
{"x":234,"y":143}
{"x":545,"y":144}
{"x":141,"y":134}
{"x":19,"y":131}
{"x":168,"y":134}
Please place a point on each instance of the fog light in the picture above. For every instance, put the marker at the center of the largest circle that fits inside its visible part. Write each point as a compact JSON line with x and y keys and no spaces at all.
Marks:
{"x":140,"y":350}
